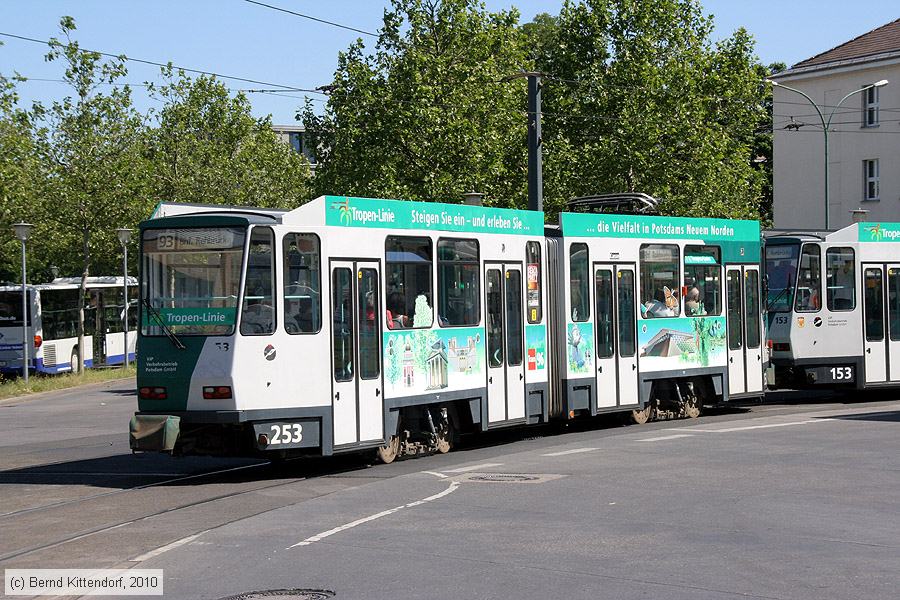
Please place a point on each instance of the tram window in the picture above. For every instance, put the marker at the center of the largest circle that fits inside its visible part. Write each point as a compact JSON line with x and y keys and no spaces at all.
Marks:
{"x":494,"y":318}
{"x":751,"y":307}
{"x":458,"y":283}
{"x":840,"y":279}
{"x":894,"y":304}
{"x":603,"y":292}
{"x":733,"y":283}
{"x":579,"y":282}
{"x":258,"y":312}
{"x":659,"y":281}
{"x":367,"y":303}
{"x":533,"y":277}
{"x":342,"y":328}
{"x":874,"y":305}
{"x":302,"y":283}
{"x":809,"y":279}
{"x":408,"y":282}
{"x":626,"y":312}
{"x":702,"y":280}
{"x":513,"y":317}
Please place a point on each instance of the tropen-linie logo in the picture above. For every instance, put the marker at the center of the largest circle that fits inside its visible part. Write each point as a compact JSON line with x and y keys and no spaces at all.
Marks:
{"x":346,"y":213}
{"x":876,"y":232}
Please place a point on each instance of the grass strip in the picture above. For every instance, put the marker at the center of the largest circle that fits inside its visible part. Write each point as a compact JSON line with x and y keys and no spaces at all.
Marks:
{"x":13,"y":387}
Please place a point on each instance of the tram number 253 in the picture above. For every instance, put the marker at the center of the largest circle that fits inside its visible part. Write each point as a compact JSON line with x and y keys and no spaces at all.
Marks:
{"x":281,"y":435}
{"x":285,"y":433}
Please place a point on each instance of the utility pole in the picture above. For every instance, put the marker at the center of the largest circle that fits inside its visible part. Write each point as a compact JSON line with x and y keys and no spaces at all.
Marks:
{"x":535,"y":143}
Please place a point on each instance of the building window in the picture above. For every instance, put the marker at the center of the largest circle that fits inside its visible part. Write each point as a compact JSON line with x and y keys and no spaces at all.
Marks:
{"x":870,"y":107}
{"x":870,"y":179}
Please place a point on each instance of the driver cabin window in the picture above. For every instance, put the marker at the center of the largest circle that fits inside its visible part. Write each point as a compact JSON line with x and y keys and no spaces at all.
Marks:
{"x":659,"y":281}
{"x":258,"y":311}
{"x":809,"y":279}
{"x":302,"y":283}
{"x":408,"y":282}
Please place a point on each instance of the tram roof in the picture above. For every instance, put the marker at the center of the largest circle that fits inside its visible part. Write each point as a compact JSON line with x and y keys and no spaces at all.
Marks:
{"x":864,"y":232}
{"x":362,"y":213}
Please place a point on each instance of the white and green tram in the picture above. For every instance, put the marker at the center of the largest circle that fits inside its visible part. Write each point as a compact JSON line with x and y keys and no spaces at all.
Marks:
{"x":351,"y":324}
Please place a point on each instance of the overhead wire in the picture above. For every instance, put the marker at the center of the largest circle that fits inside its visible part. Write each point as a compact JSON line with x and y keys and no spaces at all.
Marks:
{"x":311,"y":18}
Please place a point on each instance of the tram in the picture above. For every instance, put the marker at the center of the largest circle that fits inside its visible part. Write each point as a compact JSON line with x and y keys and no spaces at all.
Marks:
{"x":52,"y":324}
{"x":834,"y":307}
{"x":351,"y":324}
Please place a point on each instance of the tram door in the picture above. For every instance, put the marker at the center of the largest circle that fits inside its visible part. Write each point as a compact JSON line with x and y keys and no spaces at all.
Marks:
{"x":873,"y":314}
{"x":617,"y":378}
{"x":504,"y":320}
{"x":893,"y":322}
{"x":356,"y":352}
{"x":745,"y":373}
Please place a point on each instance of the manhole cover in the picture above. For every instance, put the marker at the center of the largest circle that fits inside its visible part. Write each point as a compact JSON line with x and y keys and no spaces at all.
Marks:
{"x":503,"y":477}
{"x":284,"y":595}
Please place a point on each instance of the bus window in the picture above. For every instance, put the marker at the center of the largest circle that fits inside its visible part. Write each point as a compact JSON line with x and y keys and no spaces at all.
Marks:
{"x":702,"y":280}
{"x":579,"y":282}
{"x":258,"y":312}
{"x":458,"y":279}
{"x":11,"y":308}
{"x":533,"y":277}
{"x":302,"y":283}
{"x":809,"y":279}
{"x":408,"y":282}
{"x":59,"y":313}
{"x":840,"y":279}
{"x":659,"y":281}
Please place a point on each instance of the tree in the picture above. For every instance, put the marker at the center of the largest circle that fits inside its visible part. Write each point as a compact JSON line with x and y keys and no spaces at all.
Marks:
{"x":92,"y":161}
{"x":427,"y":115}
{"x":208,"y":148}
{"x":639,"y":99}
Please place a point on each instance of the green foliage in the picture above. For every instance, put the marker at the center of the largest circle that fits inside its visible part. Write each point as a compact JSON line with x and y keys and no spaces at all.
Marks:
{"x":207,"y":148}
{"x":427,"y":115}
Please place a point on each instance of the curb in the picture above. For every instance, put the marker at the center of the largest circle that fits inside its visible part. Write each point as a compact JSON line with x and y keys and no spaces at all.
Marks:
{"x":88,"y":387}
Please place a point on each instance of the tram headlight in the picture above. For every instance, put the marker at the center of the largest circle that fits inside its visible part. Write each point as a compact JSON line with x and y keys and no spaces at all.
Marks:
{"x":216,"y":392}
{"x":153,"y":393}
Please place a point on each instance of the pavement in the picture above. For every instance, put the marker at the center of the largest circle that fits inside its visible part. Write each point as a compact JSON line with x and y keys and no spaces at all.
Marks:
{"x":795,"y":499}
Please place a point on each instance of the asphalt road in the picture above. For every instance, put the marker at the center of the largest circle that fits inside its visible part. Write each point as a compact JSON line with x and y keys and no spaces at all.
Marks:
{"x":796,"y":499}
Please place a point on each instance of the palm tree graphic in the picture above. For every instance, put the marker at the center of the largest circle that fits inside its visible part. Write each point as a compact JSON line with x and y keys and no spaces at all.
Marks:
{"x":875,"y":231}
{"x":346,"y":213}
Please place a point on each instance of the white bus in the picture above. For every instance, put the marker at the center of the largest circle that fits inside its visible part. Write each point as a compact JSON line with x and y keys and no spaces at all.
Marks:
{"x":52,"y":322}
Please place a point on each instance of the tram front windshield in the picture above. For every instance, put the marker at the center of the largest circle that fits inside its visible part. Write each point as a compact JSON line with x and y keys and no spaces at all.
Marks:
{"x":781,"y":275}
{"x":190,"y":280}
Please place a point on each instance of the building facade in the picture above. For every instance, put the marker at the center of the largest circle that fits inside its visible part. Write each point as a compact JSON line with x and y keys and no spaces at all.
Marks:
{"x":863,"y":138}
{"x":295,"y":136}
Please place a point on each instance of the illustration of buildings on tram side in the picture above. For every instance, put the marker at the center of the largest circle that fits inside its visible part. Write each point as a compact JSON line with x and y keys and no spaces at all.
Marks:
{"x":425,"y":360}
{"x":680,"y":343}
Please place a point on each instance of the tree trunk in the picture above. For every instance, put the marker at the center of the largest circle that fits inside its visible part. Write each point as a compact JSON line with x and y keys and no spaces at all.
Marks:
{"x":85,"y":248}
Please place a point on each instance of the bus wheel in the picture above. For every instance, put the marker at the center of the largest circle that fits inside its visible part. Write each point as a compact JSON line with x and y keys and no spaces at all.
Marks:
{"x":642,"y":416}
{"x":76,"y":368}
{"x":389,"y":452}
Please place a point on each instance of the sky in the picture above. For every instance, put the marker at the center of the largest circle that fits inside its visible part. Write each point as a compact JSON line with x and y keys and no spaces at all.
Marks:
{"x":242,"y":39}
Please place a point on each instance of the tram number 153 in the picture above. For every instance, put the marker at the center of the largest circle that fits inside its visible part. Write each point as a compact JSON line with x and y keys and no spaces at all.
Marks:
{"x":836,"y":375}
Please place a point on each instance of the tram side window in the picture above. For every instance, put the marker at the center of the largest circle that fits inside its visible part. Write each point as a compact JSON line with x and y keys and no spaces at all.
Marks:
{"x":894,"y":304}
{"x":840,"y":279}
{"x":302,"y":283}
{"x":408,"y":282}
{"x":258,"y":311}
{"x":458,"y":283}
{"x":579,"y":282}
{"x":659,"y":281}
{"x":809,"y":279}
{"x":702,"y":280}
{"x":533,"y":277}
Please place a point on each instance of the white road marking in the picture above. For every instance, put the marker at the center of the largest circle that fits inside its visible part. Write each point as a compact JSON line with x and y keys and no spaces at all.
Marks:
{"x":575,"y":451}
{"x":166,"y":548}
{"x":384,"y":513}
{"x":473,"y":468}
{"x":667,"y":437}
{"x":749,"y":427}
{"x":436,"y":474}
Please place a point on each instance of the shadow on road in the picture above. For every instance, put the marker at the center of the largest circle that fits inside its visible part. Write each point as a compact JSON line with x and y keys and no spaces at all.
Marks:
{"x":889,"y":415}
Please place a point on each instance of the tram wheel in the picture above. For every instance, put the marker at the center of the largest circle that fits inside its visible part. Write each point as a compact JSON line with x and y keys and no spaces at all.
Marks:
{"x":642,"y":416}
{"x":692,"y":407}
{"x":389,"y":452}
{"x":444,"y":441}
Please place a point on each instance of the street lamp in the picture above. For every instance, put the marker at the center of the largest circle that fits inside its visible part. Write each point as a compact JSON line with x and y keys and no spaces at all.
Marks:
{"x":827,"y":124}
{"x":124,"y":238}
{"x":23,"y":232}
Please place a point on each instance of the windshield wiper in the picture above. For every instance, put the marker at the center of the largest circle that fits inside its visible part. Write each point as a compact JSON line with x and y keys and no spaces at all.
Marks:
{"x":166,"y":329}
